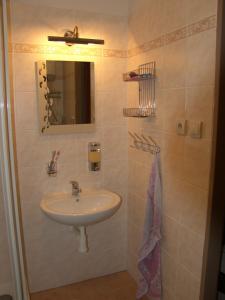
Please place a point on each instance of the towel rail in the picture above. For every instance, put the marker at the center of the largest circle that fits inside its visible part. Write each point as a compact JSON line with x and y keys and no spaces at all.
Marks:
{"x":144,"y":143}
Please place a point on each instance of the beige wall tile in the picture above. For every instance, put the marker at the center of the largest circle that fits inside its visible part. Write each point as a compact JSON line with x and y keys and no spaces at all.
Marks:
{"x":174,"y":108}
{"x":139,"y":176}
{"x":116,"y":178}
{"x":172,"y":197}
{"x":112,"y":75}
{"x":134,"y":238}
{"x":40,"y":153}
{"x":200,"y":106}
{"x":174,"y":64}
{"x":169,"y":271}
{"x":115,"y":31}
{"x":173,"y":166}
{"x":196,"y":172}
{"x":174,"y":16}
{"x":199,"y":9}
{"x":190,"y":251}
{"x":201,"y":59}
{"x":198,"y":149}
{"x":144,"y":23}
{"x":187,"y":286}
{"x":132,"y":265}
{"x":33,"y":22}
{"x":136,"y":210}
{"x":170,"y":231}
{"x":172,"y":144}
{"x":194,"y":208}
{"x":114,"y":146}
{"x":112,"y":105}
{"x":24,"y":72}
{"x":168,"y":295}
{"x":26,"y":111}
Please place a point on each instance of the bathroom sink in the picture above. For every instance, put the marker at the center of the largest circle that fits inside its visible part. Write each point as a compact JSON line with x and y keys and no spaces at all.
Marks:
{"x":90,"y":207}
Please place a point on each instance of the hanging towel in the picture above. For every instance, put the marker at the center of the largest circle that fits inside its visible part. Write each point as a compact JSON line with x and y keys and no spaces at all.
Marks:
{"x":149,"y":263}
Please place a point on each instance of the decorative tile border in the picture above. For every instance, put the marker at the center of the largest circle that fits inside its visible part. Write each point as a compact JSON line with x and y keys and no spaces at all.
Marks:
{"x":171,"y":37}
{"x":56,"y":49}
{"x":115,"y":53}
{"x":65,"y":50}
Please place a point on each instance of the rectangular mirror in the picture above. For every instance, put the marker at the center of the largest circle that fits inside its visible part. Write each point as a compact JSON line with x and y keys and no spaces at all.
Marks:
{"x":66,"y":96}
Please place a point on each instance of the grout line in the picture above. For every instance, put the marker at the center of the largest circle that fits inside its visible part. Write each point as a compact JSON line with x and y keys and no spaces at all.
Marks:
{"x":185,"y":227}
{"x":181,"y":265}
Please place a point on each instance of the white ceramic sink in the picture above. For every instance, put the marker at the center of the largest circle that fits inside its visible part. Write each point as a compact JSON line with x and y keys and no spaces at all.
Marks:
{"x":94,"y":205}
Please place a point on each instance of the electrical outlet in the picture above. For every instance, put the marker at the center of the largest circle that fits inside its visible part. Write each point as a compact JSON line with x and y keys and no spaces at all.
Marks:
{"x":181,"y":127}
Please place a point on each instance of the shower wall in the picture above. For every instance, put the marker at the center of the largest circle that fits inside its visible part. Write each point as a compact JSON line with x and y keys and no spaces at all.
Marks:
{"x":51,"y":248}
{"x":5,"y":274}
{"x":180,"y":35}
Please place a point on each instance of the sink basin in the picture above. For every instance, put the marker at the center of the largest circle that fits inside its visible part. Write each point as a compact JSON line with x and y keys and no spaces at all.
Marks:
{"x":90,"y":207}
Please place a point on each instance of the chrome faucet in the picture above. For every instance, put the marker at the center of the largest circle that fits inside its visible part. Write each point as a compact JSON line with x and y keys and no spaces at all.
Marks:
{"x":75,"y":188}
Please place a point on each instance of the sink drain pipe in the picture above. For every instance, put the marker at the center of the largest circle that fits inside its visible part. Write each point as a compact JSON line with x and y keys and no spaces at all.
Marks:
{"x":82,"y":235}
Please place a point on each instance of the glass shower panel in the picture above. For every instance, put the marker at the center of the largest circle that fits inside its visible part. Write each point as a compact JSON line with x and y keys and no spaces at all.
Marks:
{"x":5,"y":273}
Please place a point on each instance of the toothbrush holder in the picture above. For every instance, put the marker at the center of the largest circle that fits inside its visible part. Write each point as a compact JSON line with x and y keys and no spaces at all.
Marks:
{"x":52,"y":169}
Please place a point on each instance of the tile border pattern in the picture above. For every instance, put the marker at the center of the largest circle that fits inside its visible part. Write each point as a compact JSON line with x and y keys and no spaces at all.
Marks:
{"x":166,"y":39}
{"x":64,"y":50}
{"x":174,"y":36}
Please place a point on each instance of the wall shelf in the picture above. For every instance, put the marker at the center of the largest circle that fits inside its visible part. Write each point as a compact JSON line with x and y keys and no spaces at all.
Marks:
{"x":145,"y":76}
{"x":138,"y":112}
{"x":136,"y":76}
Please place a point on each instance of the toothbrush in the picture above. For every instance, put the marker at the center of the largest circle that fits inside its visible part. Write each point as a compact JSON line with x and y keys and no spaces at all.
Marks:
{"x":51,"y":164}
{"x":55,"y":158}
{"x":53,"y":155}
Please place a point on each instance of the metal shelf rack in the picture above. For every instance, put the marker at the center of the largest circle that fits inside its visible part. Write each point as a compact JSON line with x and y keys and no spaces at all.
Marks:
{"x":145,"y":76}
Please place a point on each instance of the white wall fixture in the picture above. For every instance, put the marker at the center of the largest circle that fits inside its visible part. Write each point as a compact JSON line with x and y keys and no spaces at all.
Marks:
{"x":94,"y":156}
{"x":195,"y":129}
{"x":81,"y":209}
{"x":181,"y":127}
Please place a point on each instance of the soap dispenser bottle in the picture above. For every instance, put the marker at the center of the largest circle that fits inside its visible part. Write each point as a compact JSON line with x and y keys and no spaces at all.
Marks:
{"x":94,"y":156}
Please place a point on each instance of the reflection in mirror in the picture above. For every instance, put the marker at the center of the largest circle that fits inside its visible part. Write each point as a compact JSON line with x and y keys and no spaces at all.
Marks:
{"x":66,"y":96}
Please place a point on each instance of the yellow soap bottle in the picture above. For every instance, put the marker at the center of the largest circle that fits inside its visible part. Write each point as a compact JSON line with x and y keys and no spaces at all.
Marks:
{"x":94,"y":156}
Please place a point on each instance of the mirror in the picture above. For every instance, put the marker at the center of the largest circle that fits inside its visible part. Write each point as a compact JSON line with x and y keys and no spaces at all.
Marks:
{"x":66,"y":96}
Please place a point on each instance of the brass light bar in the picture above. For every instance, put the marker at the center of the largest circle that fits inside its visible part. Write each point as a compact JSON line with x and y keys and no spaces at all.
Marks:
{"x":72,"y":37}
{"x":74,"y":40}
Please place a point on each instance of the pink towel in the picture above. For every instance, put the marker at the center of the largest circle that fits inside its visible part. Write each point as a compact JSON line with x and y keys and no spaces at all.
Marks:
{"x":149,"y":263}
